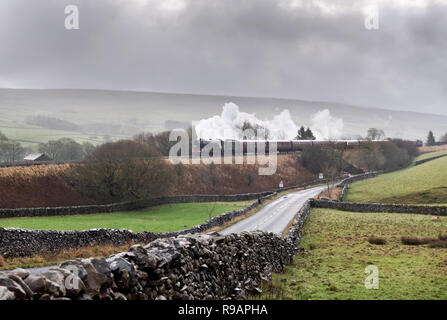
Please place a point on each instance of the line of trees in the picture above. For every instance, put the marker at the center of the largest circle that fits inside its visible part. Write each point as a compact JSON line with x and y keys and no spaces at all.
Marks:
{"x":65,"y":149}
{"x":330,"y":160}
{"x":390,"y":155}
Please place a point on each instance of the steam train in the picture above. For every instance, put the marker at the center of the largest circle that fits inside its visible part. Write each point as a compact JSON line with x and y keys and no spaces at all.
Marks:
{"x":282,"y":146}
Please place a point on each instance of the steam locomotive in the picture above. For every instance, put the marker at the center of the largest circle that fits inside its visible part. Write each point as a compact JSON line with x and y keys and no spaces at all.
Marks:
{"x":282,"y":146}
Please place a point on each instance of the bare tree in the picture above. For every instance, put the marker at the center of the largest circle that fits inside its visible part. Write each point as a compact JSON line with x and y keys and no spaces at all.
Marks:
{"x":160,"y":141}
{"x":121,"y":171}
{"x":375,"y":134}
{"x":62,"y":149}
{"x":332,"y":166}
{"x":251,"y":131}
{"x":328,"y":160}
{"x":330,"y":174}
{"x":11,"y":151}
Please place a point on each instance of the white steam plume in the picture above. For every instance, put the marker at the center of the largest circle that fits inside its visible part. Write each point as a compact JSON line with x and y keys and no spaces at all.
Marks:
{"x":326,"y":126}
{"x":228,"y":124}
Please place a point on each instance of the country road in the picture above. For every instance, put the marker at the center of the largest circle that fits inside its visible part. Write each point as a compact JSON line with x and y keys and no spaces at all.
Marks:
{"x":275,"y":216}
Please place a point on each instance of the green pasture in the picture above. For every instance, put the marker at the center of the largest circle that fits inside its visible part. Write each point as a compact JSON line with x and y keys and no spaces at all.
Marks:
{"x":338,"y":251}
{"x":164,"y":218}
{"x":423,"y":184}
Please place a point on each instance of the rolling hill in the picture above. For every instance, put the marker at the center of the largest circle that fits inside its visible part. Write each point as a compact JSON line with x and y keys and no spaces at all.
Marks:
{"x":89,"y":115}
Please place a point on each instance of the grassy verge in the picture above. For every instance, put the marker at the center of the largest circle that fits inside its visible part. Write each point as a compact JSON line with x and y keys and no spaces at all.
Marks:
{"x":56,"y":258}
{"x":164,"y":218}
{"x":430,"y":155}
{"x":424,"y":184}
{"x":338,"y":249}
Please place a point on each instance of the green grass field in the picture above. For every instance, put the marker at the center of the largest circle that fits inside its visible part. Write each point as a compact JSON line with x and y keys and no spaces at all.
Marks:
{"x":430,"y":155}
{"x":164,"y":218}
{"x":31,"y":136}
{"x":338,"y":252}
{"x":423,"y":184}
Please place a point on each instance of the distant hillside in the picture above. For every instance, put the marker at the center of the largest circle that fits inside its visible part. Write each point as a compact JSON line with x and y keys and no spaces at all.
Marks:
{"x":89,"y":115}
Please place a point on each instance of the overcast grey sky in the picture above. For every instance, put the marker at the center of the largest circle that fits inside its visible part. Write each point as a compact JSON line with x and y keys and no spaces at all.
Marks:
{"x":313,"y":50}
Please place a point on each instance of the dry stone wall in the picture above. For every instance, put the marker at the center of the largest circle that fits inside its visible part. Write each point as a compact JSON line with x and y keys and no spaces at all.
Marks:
{"x":417,"y":163}
{"x":20,"y":243}
{"x":142,"y":204}
{"x":378,"y":207}
{"x":126,"y":206}
{"x":182,"y":267}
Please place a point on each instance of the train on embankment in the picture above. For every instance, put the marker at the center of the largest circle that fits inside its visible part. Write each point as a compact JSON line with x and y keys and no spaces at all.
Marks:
{"x":282,"y":146}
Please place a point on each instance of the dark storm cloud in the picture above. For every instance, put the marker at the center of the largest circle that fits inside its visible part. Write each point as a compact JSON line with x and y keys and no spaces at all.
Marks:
{"x":317,"y":50}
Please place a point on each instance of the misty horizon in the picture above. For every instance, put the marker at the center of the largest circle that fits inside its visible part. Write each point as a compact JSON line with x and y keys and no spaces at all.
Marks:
{"x":229,"y":95}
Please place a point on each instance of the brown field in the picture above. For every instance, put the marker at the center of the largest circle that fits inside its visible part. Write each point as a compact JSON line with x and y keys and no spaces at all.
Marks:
{"x":38,"y":186}
{"x":43,"y":186}
{"x":231,"y":179}
{"x":433,"y":148}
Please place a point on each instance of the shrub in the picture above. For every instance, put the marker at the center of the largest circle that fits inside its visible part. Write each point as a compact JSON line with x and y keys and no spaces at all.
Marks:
{"x":121,"y":171}
{"x":414,"y":241}
{"x":387,"y":155}
{"x":376,"y":240}
{"x":438,"y":244}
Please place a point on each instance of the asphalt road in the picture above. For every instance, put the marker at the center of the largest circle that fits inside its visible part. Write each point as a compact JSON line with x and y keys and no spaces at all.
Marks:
{"x":275,"y":216}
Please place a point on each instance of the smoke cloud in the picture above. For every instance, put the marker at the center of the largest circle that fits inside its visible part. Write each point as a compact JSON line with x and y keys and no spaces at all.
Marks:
{"x":227,"y":125}
{"x":325,"y":126}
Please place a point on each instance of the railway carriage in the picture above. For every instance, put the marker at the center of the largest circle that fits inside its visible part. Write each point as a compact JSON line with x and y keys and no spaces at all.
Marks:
{"x":282,"y":146}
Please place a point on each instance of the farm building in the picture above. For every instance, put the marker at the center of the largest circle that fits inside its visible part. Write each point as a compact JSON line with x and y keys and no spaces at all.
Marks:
{"x":37,"y":157}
